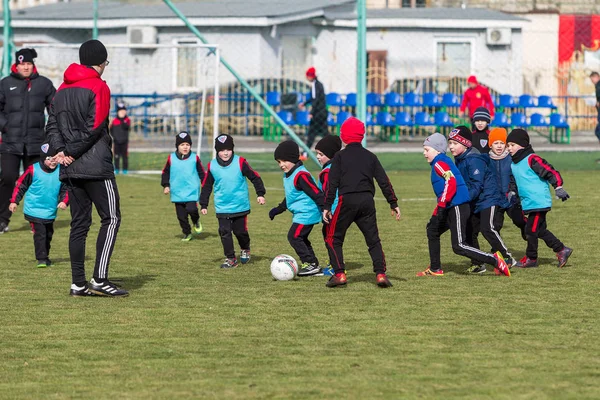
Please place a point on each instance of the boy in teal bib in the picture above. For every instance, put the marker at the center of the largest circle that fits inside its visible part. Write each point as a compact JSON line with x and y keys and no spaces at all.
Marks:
{"x":45,"y":193}
{"x":532,"y":176}
{"x":304,"y":200}
{"x":181,"y":178}
{"x":228,"y":173}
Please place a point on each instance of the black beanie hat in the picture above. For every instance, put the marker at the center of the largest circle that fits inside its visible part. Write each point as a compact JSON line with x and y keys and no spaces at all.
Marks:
{"x":462,"y":135}
{"x":92,"y":52}
{"x":224,"y":142}
{"x":183,"y":137}
{"x":121,"y":106}
{"x":25,"y":55}
{"x":329,"y":145}
{"x":482,"y":114}
{"x":518,"y":136}
{"x":287,"y":151}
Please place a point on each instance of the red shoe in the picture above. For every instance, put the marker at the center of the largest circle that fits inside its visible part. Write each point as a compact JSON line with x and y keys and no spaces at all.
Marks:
{"x":527,"y":262}
{"x":303,"y":157}
{"x":429,"y":272}
{"x":338,"y":279}
{"x":563,"y":256}
{"x":383,"y":281}
{"x":501,"y":266}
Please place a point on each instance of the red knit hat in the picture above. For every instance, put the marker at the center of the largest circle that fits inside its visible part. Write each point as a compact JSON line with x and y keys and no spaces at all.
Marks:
{"x":311,"y":72}
{"x":472,"y":79}
{"x":352,"y":131}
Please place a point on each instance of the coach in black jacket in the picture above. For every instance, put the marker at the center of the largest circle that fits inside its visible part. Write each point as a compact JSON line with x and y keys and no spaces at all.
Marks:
{"x":77,"y":132}
{"x":318,"y":111}
{"x":24,"y":95}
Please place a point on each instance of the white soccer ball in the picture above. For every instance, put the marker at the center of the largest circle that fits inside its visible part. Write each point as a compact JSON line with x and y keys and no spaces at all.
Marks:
{"x":284,"y":268}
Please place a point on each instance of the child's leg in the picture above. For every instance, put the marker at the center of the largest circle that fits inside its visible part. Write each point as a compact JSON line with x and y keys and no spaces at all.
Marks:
{"x":125,"y":156}
{"x":117,"y":156}
{"x":531,"y":233}
{"x":435,"y":229}
{"x":49,"y":234}
{"x":548,"y":237}
{"x":490,"y":218}
{"x":192,"y":210}
{"x":472,"y":232}
{"x":296,"y":237}
{"x":518,"y":218}
{"x":309,"y":244}
{"x":240,"y":230}
{"x":182,"y":217}
{"x":366,"y":220}
{"x":39,"y":241}
{"x":336,"y":232}
{"x":225,"y":228}
{"x":457,"y":223}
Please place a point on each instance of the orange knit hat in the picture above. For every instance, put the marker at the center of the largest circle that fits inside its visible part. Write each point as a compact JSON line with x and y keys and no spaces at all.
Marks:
{"x":497,"y":134}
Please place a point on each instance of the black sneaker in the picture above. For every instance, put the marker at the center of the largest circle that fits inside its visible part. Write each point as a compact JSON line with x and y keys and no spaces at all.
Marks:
{"x":107,"y":288}
{"x":81,"y":291}
{"x":311,"y":269}
{"x":48,"y":262}
{"x":563,"y":256}
{"x":3,"y":227}
{"x":230,"y":263}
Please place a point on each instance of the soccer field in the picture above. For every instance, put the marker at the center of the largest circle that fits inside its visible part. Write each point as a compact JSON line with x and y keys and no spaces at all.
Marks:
{"x":191,"y":330}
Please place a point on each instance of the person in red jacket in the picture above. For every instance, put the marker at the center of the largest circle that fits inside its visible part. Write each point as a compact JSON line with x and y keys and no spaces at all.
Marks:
{"x":476,"y":96}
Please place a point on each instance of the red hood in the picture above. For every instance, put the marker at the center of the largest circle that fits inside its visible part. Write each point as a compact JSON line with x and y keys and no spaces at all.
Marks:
{"x":13,"y":69}
{"x":77,"y":72}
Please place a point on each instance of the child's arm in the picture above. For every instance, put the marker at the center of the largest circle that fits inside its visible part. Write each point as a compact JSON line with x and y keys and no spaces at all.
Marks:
{"x":489,"y":103}
{"x":275,"y":211}
{"x":476,"y":175}
{"x":200,"y":168}
{"x":547,"y":172}
{"x":305,"y":183}
{"x":443,"y":170}
{"x":333,"y":178}
{"x":166,"y":175}
{"x":254,"y":177}
{"x":207,"y":187}
{"x":21,"y":187}
{"x":384,"y":184}
{"x":63,"y":197}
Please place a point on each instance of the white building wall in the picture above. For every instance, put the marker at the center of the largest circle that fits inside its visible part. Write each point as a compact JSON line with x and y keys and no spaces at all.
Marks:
{"x":540,"y":54}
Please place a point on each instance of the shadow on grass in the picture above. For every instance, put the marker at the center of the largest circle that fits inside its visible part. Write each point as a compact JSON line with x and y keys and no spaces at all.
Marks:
{"x":254,"y":259}
{"x":370,"y":278}
{"x":351,"y":266}
{"x":133,"y":282}
{"x":202,"y":236}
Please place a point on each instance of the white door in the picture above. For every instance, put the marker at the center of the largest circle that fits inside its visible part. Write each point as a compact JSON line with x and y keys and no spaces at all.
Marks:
{"x":453,"y":59}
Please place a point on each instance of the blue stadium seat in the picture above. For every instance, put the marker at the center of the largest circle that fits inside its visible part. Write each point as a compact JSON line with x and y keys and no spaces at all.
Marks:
{"x":370,"y":121}
{"x":506,"y":101}
{"x":450,"y":100}
{"x":341,"y":117}
{"x":431,"y":100}
{"x":393,"y":99}
{"x":558,"y":121}
{"x":403,"y":119}
{"x":331,"y":119}
{"x":351,"y":99}
{"x":423,"y":119}
{"x":412,"y":99}
{"x":286,"y":116}
{"x":500,"y":120}
{"x":442,"y":119}
{"x":546,"y":102}
{"x":538,"y":120}
{"x":384,"y":118}
{"x":302,"y":118}
{"x":334,"y":99}
{"x":374,"y":100}
{"x":518,"y":120}
{"x":526,"y":101}
{"x":273,"y":98}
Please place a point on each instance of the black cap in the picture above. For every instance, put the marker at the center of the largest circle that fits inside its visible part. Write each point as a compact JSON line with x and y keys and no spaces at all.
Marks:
{"x":25,"y":55}
{"x":482,"y":114}
{"x":92,"y":52}
{"x":329,"y":145}
{"x":183,"y":137}
{"x":224,"y":142}
{"x":462,"y":135}
{"x":121,"y":106}
{"x":518,"y":136}
{"x":287,"y":151}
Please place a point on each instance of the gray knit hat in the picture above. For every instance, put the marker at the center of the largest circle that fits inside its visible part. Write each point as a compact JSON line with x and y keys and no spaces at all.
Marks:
{"x":437,"y":141}
{"x":482,"y":114}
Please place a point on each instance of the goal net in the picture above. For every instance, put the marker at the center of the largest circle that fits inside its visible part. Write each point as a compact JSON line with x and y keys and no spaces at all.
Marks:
{"x":167,"y":89}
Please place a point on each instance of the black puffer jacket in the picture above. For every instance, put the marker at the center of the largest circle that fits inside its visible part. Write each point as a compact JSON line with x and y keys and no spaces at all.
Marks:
{"x":78,"y":124}
{"x":22,"y":105}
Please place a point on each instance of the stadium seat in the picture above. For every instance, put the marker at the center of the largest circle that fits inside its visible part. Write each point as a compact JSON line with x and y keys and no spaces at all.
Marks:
{"x":370,"y":121}
{"x":384,"y":118}
{"x":442,"y":119}
{"x":302,"y":118}
{"x":273,"y":98}
{"x":538,"y":120}
{"x":393,"y":99}
{"x":341,"y":117}
{"x":287,"y":117}
{"x":558,"y":123}
{"x":334,"y":99}
{"x":546,"y":102}
{"x":526,"y":101}
{"x":500,"y":120}
{"x":403,"y":119}
{"x":423,"y":119}
{"x":506,"y":101}
{"x":518,"y":120}
{"x":374,"y":100}
{"x":450,"y":100}
{"x":351,"y":99}
{"x":331,"y":119}
{"x":412,"y":99}
{"x":431,"y":100}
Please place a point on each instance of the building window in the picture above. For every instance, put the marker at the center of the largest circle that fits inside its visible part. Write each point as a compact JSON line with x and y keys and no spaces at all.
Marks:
{"x":414,"y":3}
{"x":187,"y":64}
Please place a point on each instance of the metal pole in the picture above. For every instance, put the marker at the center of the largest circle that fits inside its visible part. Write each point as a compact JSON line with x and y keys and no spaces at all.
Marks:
{"x":95,"y":29}
{"x":6,"y":40}
{"x":361,"y":63}
{"x":216,"y":100}
{"x":245,"y":84}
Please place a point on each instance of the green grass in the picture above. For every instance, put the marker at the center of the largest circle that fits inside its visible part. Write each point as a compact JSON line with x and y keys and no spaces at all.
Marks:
{"x":191,"y":330}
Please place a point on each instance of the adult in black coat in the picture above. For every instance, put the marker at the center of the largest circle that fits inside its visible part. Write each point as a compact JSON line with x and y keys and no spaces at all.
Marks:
{"x":318,"y":111}
{"x":24,"y":95}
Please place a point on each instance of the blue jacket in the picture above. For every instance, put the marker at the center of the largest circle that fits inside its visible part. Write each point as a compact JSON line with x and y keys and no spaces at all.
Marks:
{"x":448,"y":184}
{"x":502,"y":167}
{"x":480,"y":179}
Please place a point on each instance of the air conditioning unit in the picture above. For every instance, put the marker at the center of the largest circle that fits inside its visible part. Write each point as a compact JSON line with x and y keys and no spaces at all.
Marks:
{"x":498,"y":36}
{"x":141,"y":35}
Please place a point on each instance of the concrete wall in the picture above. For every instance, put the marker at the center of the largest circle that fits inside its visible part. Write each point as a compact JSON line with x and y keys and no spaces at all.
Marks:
{"x":540,"y":54}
